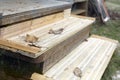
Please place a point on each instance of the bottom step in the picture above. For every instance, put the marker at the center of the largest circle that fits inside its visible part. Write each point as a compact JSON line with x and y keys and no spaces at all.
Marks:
{"x":87,"y":62}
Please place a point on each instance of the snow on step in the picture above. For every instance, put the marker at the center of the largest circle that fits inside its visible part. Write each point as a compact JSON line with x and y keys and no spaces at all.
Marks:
{"x":91,"y":57}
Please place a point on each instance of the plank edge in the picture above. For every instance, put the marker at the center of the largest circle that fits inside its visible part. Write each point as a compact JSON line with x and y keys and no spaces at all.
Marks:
{"x":105,"y":38}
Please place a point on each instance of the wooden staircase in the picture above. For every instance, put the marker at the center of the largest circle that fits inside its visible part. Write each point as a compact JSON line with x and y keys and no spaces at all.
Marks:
{"x":63,"y":46}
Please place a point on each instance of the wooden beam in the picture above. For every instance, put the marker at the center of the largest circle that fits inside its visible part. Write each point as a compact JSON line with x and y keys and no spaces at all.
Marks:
{"x":18,"y":46}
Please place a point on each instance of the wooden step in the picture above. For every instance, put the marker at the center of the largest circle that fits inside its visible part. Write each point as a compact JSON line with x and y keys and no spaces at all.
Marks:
{"x":50,"y":48}
{"x":29,"y":9}
{"x":88,"y":61}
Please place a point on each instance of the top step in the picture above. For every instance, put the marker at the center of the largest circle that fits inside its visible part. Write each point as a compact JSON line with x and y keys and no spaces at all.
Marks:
{"x":71,"y":26}
{"x":12,"y":11}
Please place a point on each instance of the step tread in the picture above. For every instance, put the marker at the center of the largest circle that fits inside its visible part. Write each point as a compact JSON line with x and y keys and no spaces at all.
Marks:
{"x":91,"y":57}
{"x":71,"y":26}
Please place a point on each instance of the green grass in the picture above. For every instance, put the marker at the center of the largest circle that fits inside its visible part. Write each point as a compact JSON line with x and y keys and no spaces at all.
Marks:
{"x":114,"y":1}
{"x":111,"y":30}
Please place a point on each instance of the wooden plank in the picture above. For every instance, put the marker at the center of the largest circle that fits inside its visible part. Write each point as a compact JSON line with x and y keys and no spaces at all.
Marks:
{"x":18,"y":46}
{"x":105,"y":61}
{"x":46,"y":20}
{"x":97,"y":60}
{"x":15,"y":29}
